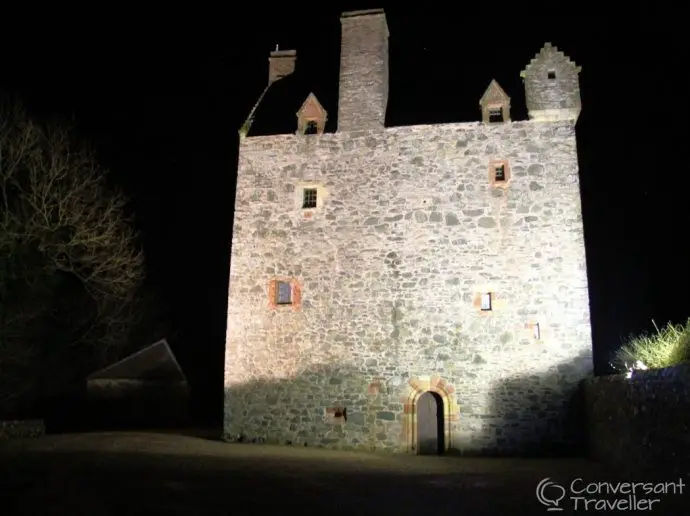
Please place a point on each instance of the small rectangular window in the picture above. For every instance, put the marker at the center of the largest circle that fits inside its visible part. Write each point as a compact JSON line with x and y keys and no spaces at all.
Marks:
{"x":284,"y":293}
{"x":309,"y":198}
{"x":336,"y":415}
{"x":500,"y":173}
{"x":536,"y":332}
{"x":312,"y":127}
{"x":495,"y":115}
{"x":486,"y":302}
{"x":552,"y":74}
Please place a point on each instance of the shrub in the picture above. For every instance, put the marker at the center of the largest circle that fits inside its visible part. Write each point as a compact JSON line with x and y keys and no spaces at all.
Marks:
{"x":668,"y":347}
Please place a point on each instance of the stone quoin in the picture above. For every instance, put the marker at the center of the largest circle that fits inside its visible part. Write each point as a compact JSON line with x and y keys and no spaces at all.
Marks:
{"x":418,"y":289}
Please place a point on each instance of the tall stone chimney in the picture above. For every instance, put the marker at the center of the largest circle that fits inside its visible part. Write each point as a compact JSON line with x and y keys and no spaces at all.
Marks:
{"x":281,"y":63}
{"x":363,"y":95}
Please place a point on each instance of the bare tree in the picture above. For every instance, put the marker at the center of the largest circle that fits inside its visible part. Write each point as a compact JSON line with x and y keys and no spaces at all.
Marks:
{"x":70,"y":266}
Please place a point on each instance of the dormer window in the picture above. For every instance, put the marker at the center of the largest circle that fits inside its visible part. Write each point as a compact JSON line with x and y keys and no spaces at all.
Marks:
{"x":495,"y":105}
{"x":311,"y":117}
{"x":495,"y":115}
{"x":552,"y":74}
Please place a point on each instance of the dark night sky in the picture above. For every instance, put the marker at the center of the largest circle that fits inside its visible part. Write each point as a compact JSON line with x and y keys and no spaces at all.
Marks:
{"x":162,"y":99}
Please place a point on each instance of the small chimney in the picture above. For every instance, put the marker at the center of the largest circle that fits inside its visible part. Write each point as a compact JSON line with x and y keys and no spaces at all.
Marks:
{"x":281,"y":63}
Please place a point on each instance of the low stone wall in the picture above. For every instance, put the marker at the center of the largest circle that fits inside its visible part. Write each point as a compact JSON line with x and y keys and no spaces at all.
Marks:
{"x":21,"y":429}
{"x":641,"y":423}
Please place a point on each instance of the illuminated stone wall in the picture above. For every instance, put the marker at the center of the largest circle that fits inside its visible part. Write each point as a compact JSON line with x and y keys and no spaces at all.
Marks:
{"x":390,"y":267}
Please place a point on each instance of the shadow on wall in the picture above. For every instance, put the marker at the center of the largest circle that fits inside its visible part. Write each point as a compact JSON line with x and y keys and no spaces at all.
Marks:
{"x":325,"y":406}
{"x":343,"y":408}
{"x":530,"y":415}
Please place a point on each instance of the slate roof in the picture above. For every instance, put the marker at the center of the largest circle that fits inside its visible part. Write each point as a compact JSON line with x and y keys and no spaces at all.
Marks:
{"x":277,"y":112}
{"x":155,"y":362}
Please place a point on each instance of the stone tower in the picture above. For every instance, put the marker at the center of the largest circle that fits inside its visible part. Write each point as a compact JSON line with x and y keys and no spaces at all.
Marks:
{"x":552,"y":86}
{"x":420,"y":288}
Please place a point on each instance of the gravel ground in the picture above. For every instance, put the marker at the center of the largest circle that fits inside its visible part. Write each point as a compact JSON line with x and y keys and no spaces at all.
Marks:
{"x":155,"y":473}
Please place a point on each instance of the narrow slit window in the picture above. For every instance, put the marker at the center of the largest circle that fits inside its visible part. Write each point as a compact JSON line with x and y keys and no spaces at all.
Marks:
{"x":495,"y":115}
{"x":552,"y":74}
{"x":309,"y":198}
{"x":536,"y":331}
{"x":284,"y":293}
{"x":486,"y":302}
{"x":500,"y":173}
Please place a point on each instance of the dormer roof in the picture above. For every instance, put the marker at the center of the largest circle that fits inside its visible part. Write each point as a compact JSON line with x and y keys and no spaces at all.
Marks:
{"x":312,"y":108}
{"x":549,"y":55}
{"x":494,"y":94}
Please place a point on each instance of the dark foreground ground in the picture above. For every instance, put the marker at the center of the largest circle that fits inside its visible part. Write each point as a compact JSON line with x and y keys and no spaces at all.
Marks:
{"x":130,"y":473}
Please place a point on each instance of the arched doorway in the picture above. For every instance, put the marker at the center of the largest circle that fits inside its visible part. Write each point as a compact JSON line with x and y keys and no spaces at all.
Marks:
{"x":430,"y":424}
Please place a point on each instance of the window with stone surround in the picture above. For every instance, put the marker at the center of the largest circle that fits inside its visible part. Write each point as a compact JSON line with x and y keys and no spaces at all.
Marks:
{"x":487,"y":301}
{"x":284,"y":293}
{"x":551,"y":74}
{"x":499,"y":173}
{"x":309,"y":198}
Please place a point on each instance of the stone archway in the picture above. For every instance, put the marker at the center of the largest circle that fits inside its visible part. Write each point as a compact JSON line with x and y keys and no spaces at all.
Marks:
{"x":417,"y":387}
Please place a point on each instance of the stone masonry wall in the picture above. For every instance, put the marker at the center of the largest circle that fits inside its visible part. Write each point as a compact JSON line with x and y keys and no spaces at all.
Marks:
{"x":643,"y":422}
{"x":390,"y":266}
{"x":556,"y":96}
